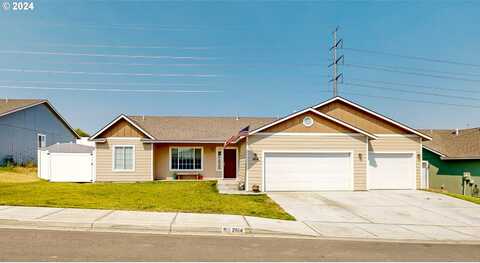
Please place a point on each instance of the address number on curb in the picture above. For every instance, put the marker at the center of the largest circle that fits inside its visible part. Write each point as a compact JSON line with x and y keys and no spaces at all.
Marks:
{"x":233,"y":230}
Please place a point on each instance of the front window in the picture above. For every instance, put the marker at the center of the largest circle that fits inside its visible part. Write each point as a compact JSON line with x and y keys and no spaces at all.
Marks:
{"x":41,"y":140}
{"x":123,"y":158}
{"x":219,"y":161}
{"x":186,"y":158}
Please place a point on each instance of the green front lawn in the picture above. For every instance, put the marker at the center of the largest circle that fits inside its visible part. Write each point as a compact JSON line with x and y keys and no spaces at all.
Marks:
{"x":195,"y":197}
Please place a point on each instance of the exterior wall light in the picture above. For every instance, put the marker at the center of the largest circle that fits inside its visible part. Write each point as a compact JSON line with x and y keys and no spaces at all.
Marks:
{"x":255,"y":157}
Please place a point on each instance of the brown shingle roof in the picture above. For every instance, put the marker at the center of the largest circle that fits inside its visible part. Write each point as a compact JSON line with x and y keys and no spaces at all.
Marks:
{"x":179,"y":128}
{"x":464,"y":145}
{"x":9,"y":105}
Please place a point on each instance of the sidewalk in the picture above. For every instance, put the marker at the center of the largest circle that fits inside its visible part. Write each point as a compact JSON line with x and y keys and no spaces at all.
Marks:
{"x":189,"y":223}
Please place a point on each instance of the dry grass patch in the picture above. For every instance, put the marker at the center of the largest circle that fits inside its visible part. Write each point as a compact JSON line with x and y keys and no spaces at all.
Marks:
{"x":18,"y":174}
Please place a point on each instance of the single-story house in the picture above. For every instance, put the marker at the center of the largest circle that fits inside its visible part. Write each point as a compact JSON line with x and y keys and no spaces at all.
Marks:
{"x":335,"y":145}
{"x":28,"y":124}
{"x":449,"y":155}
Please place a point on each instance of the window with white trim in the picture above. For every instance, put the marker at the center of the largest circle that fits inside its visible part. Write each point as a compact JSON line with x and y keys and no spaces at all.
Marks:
{"x":219,"y":159}
{"x":41,"y":140}
{"x":186,"y":158}
{"x":123,"y":158}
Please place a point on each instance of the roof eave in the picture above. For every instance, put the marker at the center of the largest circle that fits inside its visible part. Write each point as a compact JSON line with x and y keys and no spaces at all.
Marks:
{"x":446,"y":158}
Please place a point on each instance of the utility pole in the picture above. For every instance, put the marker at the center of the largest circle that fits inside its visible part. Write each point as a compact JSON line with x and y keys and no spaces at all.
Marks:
{"x":336,"y":60}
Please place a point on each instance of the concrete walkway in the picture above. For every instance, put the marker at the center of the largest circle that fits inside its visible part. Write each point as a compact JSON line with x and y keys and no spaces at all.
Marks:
{"x":215,"y":224}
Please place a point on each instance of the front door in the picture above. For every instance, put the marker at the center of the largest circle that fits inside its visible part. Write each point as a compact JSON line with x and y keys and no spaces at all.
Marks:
{"x":230,"y":163}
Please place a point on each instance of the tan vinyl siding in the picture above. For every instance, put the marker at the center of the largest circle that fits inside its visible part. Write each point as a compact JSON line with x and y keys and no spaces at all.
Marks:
{"x":360,"y":118}
{"x":320,"y":124}
{"x":121,"y":129}
{"x":142,"y":164}
{"x":400,"y":143}
{"x":259,"y":143}
{"x":162,"y":159}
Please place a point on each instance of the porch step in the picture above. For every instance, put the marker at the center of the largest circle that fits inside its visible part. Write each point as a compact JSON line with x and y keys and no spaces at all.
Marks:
{"x":227,"y":185}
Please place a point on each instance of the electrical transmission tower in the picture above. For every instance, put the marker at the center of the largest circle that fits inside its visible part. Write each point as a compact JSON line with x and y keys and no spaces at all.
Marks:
{"x":336,"y":61}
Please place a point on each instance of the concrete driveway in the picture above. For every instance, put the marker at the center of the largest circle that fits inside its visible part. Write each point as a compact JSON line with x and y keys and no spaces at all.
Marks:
{"x":392,"y":214}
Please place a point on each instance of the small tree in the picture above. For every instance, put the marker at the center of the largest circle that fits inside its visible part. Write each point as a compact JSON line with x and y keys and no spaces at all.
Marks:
{"x":81,"y":133}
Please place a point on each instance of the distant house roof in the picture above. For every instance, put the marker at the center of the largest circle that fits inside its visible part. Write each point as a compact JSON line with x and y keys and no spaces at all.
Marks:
{"x":181,"y":128}
{"x":69,"y":148}
{"x":465,"y":145}
{"x":9,"y":106}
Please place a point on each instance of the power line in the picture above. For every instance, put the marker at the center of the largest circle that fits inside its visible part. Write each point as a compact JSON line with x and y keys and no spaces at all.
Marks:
{"x":414,"y":85}
{"x":109,"y":73}
{"x":408,"y":100}
{"x":445,"y":61}
{"x":412,"y":91}
{"x":110,"y":90}
{"x":424,"y":70}
{"x":192,"y":64}
{"x":103,"y":55}
{"x":127,"y":46}
{"x":409,"y":72}
{"x":104,"y":83}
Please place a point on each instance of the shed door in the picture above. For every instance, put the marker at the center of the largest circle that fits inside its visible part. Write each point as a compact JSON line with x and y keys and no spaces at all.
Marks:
{"x":308,"y":171}
{"x":71,"y":167}
{"x":391,"y":171}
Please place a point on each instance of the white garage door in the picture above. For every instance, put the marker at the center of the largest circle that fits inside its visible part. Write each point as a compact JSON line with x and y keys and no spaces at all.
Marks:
{"x":308,"y":171}
{"x":391,"y":171}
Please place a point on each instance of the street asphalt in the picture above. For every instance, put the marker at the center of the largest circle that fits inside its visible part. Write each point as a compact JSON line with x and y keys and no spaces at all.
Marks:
{"x":48,"y":245}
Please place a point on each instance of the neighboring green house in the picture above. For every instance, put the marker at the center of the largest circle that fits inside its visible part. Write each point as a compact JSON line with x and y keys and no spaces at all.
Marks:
{"x":449,"y":155}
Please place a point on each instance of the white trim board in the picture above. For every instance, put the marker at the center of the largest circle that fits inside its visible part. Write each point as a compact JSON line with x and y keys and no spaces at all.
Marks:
{"x":433,"y":151}
{"x":133,"y":159}
{"x":375,"y":114}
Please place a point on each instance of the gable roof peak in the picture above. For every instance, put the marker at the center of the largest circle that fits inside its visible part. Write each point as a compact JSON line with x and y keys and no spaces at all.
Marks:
{"x":378,"y":115}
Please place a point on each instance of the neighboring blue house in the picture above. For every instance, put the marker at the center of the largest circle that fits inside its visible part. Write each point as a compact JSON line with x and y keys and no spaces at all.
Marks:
{"x":26,"y":125}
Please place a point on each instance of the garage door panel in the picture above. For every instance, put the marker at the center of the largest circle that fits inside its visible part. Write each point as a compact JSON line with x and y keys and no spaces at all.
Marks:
{"x":391,"y":171}
{"x":308,"y":171}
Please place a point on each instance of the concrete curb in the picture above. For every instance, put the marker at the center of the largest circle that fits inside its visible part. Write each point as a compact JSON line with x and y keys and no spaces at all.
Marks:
{"x":178,"y":224}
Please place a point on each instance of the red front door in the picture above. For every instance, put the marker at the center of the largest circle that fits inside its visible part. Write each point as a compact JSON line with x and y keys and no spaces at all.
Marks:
{"x":229,"y":163}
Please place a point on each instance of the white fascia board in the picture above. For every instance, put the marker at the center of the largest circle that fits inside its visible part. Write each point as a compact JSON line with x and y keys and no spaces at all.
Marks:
{"x":433,"y":151}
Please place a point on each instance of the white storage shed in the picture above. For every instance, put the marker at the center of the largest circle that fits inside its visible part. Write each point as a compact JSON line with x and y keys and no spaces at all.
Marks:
{"x":67,"y":162}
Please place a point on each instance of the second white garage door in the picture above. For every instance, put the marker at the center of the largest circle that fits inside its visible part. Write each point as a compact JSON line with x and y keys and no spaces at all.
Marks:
{"x":391,"y":171}
{"x":308,"y":171}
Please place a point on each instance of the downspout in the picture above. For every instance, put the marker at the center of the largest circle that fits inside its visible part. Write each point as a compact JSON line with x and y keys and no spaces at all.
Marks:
{"x":246,"y":164}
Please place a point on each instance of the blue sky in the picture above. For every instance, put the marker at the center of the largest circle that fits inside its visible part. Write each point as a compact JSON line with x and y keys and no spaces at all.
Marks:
{"x":254,"y":58}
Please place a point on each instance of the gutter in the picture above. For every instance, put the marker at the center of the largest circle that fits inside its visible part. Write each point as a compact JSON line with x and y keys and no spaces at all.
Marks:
{"x":460,"y":158}
{"x":183,"y":141}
